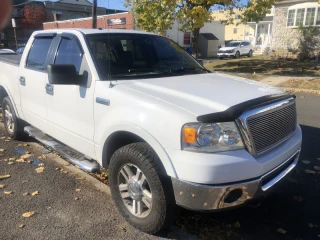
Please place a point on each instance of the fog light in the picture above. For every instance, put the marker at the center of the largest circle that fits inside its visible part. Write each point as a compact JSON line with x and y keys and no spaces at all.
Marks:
{"x":233,"y":196}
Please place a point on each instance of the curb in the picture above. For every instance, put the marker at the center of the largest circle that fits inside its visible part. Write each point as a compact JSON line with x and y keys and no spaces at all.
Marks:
{"x":302,"y":90}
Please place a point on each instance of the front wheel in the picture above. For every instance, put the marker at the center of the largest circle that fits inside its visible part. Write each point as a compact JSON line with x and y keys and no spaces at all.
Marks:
{"x":250,"y":53}
{"x":141,"y":189}
{"x":237,"y":55}
{"x":13,"y":125}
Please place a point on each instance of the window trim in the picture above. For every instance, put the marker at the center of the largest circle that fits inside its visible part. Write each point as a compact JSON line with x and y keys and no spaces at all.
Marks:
{"x":304,"y":6}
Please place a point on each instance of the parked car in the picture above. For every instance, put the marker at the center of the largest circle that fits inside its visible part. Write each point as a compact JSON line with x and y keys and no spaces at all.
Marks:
{"x":235,"y":49}
{"x":20,"y":50}
{"x":6,"y":51}
{"x":170,"y":132}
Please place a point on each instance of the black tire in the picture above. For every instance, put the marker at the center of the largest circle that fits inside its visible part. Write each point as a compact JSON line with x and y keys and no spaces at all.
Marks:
{"x":221,"y":58}
{"x":163,"y":210}
{"x":14,"y":128}
{"x":250,"y":53}
{"x":237,"y":55}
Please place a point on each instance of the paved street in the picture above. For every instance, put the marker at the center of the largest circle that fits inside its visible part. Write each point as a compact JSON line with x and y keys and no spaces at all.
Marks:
{"x":71,"y":207}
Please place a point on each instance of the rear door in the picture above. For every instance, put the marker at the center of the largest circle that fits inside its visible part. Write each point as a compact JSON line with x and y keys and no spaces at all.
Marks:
{"x":33,"y":78}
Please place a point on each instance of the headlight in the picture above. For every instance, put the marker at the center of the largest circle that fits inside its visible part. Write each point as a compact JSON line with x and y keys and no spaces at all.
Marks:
{"x":211,"y":137}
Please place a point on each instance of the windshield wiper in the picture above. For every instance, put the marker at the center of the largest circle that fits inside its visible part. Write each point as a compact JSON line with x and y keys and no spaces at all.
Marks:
{"x":182,"y":69}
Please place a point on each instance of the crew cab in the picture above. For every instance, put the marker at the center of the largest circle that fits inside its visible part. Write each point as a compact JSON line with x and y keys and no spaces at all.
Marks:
{"x":170,"y":132}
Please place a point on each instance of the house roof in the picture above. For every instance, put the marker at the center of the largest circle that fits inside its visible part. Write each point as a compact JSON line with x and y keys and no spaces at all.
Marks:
{"x":209,"y":36}
{"x":292,"y":2}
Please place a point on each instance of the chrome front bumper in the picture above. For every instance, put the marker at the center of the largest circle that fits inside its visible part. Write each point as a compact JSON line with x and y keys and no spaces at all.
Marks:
{"x":206,"y":197}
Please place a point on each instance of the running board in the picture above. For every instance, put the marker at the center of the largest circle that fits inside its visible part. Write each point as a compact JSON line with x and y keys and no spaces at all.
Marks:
{"x":72,"y":155}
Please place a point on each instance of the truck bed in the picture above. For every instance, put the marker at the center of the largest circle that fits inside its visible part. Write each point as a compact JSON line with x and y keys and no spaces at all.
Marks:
{"x":10,"y":58}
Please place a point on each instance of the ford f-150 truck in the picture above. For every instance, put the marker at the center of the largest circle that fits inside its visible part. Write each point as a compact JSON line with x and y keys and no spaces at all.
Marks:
{"x":170,"y":132}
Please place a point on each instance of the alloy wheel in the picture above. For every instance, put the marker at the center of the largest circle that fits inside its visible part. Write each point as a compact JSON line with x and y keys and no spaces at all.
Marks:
{"x":135,"y":190}
{"x":9,"y":119}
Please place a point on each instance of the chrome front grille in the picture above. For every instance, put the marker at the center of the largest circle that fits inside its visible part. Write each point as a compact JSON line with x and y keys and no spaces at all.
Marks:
{"x":268,"y":126}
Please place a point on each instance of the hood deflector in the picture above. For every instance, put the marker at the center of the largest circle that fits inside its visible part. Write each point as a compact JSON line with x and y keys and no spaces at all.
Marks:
{"x":235,"y":111}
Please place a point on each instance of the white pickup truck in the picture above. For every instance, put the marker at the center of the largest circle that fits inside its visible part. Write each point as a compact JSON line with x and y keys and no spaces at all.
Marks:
{"x":170,"y":132}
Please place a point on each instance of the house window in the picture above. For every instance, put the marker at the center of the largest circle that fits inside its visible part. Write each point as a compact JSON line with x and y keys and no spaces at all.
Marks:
{"x":235,"y":30}
{"x":318,"y":17}
{"x":237,"y":16}
{"x":300,"y":17}
{"x":304,"y":14}
{"x":311,"y":13}
{"x":187,"y":38}
{"x":291,"y":14}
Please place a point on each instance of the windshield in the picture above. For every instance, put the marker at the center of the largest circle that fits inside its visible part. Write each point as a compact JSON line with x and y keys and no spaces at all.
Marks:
{"x":122,"y":56}
{"x":233,"y":44}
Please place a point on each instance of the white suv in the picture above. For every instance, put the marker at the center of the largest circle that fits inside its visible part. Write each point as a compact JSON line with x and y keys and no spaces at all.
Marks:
{"x":236,"y":49}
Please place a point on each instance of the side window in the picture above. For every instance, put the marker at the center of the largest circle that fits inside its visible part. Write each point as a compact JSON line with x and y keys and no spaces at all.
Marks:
{"x":69,"y":53}
{"x":38,"y":53}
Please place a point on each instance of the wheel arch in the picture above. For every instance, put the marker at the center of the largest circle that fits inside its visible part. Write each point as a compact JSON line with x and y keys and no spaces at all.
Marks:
{"x":120,"y":138}
{"x":3,"y":93}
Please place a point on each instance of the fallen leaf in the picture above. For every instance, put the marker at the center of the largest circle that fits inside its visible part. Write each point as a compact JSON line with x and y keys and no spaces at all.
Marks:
{"x":11,"y":159}
{"x":317,"y":168}
{"x":2,"y":186}
{"x":78,"y":190}
{"x":29,"y":161}
{"x":236,"y":224}
{"x":41,"y":165}
{"x":39,"y":169}
{"x":66,"y":164}
{"x":28,"y":214}
{"x":310,"y":225}
{"x":2,"y":150}
{"x":10,"y":163}
{"x":22,"y":226}
{"x":58,"y":169}
{"x":42,"y":157}
{"x":65,"y":172}
{"x":35,"y":193}
{"x":306,"y":162}
{"x":4,"y":176}
{"x":280,"y":230}
{"x":7,"y":192}
{"x":123,"y":229}
{"x":20,"y":160}
{"x":7,"y":140}
{"x":26,"y":194}
{"x":309,"y":171}
{"x":3,"y":138}
{"x":76,"y":198}
{"x":297,"y":198}
{"x":193,"y":195}
{"x":25,"y":156}
{"x":26,"y":145}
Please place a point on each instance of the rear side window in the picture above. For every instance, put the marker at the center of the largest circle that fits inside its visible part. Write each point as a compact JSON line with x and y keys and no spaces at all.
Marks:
{"x":69,"y":52}
{"x":38,"y":53}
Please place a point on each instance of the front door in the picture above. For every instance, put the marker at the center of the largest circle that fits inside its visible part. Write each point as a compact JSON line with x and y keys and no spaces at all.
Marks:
{"x":70,"y":107}
{"x":33,"y":78}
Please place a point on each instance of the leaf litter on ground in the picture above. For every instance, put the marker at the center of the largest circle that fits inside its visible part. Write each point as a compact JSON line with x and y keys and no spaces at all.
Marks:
{"x":39,"y":169}
{"x":35,"y":193}
{"x":28,"y":214}
{"x":5,"y":176}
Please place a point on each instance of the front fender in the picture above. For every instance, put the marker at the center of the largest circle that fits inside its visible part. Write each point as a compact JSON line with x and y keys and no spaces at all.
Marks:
{"x":146,"y":136}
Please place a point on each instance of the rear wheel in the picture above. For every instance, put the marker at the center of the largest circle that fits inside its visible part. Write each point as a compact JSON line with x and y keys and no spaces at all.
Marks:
{"x":13,"y":125}
{"x":141,"y":189}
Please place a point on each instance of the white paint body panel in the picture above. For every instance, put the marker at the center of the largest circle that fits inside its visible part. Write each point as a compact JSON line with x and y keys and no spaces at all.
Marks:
{"x":153,"y":109}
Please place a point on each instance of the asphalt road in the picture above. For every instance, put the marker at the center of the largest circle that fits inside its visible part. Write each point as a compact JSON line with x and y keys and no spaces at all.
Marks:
{"x":294,"y":207}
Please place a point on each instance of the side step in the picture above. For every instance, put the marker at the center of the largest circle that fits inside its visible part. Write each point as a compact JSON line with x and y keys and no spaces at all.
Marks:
{"x":72,"y":155}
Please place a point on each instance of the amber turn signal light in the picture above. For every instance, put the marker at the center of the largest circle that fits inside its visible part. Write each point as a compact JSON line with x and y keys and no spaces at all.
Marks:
{"x":189,"y":135}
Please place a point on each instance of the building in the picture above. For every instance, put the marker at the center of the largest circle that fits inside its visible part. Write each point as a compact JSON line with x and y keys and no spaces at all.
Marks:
{"x":57,"y":10}
{"x":259,"y":34}
{"x":289,"y":15}
{"x":70,"y":9}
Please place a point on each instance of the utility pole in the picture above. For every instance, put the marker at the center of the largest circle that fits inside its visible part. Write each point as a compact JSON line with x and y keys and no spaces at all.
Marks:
{"x":94,"y":14}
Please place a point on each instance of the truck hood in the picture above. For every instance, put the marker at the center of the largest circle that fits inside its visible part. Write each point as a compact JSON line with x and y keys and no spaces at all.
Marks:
{"x":227,"y":48}
{"x":202,"y":94}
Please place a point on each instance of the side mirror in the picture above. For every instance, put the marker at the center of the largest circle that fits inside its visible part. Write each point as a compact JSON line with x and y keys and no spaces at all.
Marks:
{"x":64,"y":74}
{"x":200,"y":62}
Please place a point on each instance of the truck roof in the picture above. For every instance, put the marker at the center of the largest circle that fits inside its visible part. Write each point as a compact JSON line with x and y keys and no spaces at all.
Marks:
{"x":89,"y":31}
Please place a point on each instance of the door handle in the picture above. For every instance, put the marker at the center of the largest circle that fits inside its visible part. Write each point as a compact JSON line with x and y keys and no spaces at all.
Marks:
{"x":49,"y":89}
{"x":22,"y":81}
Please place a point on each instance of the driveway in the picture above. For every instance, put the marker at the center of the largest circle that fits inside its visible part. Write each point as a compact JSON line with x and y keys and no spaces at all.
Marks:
{"x":70,"y":205}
